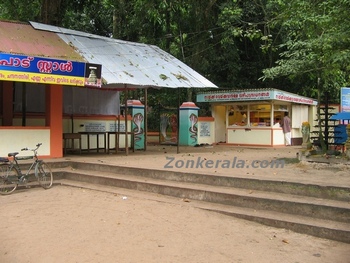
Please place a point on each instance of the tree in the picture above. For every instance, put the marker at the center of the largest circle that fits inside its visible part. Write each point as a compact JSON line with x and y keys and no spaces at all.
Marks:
{"x":247,"y":28}
{"x":91,"y":16}
{"x":20,"y":10}
{"x":51,"y":12}
{"x":316,"y":45}
{"x":316,"y":42}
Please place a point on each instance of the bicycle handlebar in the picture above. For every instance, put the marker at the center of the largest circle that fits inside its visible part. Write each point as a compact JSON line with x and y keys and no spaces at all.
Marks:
{"x":27,"y":149}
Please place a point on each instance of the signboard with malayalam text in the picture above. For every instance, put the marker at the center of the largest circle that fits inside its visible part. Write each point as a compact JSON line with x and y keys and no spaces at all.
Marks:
{"x":22,"y":68}
{"x":254,"y":95}
{"x":290,"y":97}
{"x":234,"y":96}
{"x":204,"y":129}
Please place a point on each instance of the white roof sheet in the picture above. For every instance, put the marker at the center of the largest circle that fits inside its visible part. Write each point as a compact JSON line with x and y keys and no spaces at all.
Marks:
{"x":136,"y":65}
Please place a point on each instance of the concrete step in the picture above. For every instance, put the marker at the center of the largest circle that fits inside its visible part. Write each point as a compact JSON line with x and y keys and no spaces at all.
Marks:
{"x":328,"y":229}
{"x":319,"y":210}
{"x":324,"y":191}
{"x":255,"y":199}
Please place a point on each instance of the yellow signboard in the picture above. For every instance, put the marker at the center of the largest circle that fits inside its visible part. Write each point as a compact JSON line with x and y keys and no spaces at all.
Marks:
{"x":49,"y":71}
{"x":41,"y":78}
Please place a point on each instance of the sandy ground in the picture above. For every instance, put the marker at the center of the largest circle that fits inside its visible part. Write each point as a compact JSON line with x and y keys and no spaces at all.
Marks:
{"x":67,"y":224}
{"x":240,"y":160}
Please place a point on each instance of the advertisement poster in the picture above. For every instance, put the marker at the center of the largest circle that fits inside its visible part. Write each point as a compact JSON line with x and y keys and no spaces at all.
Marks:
{"x":345,"y":99}
{"x":168,"y":128}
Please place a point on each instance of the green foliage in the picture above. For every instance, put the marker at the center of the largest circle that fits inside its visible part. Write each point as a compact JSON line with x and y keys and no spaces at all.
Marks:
{"x":235,"y":43}
{"x":92,"y":16}
{"x":315,"y":46}
{"x":20,"y":10}
{"x":316,"y":42}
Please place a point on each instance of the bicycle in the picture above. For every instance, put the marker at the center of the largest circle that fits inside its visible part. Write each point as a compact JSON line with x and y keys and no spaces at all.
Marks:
{"x":11,"y":174}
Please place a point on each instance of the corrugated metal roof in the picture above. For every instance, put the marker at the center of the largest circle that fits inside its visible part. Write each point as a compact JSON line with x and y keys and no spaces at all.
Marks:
{"x":135,"y":64}
{"x":23,"y":39}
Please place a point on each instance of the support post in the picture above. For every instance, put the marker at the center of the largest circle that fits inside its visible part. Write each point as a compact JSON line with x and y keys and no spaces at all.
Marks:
{"x":146,"y":118}
{"x":53,"y":118}
{"x":126,"y":120}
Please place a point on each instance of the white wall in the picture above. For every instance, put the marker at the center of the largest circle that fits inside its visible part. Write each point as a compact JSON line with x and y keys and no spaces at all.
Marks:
{"x":278,"y":136}
{"x":13,"y":140}
{"x":243,"y":136}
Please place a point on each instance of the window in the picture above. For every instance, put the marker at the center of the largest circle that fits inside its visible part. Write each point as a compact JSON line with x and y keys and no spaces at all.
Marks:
{"x":260,"y":115}
{"x":237,"y":115}
{"x":278,"y":114}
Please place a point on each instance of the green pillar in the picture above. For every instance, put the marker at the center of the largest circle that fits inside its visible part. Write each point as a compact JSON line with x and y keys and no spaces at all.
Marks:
{"x":137,"y":110}
{"x":188,"y":124}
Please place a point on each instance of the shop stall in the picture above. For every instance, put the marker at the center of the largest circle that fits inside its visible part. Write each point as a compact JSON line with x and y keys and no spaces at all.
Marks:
{"x":252,"y":117}
{"x":59,"y":89}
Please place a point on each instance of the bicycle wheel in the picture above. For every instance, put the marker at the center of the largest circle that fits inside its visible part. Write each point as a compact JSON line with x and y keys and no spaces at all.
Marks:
{"x":44,"y":174}
{"x":8,"y":179}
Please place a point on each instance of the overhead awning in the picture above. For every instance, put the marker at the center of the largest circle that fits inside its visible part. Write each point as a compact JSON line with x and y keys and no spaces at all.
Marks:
{"x":123,"y":63}
{"x":344,"y":115}
{"x":136,"y":65}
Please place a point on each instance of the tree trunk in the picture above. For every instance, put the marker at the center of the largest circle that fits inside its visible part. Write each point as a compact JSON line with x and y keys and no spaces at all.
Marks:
{"x":115,"y":23}
{"x":118,"y":14}
{"x":50,"y":12}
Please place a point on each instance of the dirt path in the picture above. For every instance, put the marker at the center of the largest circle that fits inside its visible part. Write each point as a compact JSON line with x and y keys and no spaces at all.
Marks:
{"x":66,"y":224}
{"x":161,"y":157}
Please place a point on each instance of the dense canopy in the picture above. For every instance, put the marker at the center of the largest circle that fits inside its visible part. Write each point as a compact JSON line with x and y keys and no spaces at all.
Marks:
{"x":301,"y":46}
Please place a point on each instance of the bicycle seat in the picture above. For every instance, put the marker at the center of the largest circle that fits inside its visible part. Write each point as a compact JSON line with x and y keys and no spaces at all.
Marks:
{"x":4,"y":159}
{"x":12,"y":154}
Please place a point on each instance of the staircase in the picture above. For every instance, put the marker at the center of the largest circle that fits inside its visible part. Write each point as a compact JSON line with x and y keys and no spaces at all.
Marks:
{"x":321,"y":211}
